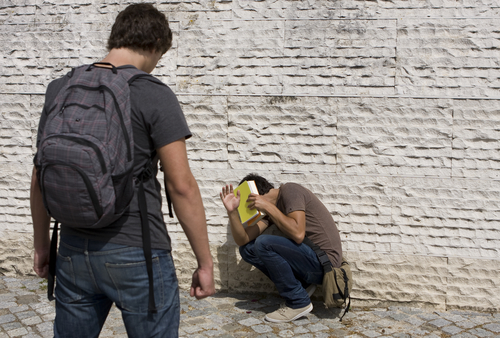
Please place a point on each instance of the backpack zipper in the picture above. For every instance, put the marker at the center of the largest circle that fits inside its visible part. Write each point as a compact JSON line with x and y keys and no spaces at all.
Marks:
{"x":85,"y":142}
{"x":82,"y":106}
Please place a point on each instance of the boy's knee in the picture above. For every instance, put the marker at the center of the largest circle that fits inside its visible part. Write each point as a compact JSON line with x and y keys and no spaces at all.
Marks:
{"x":247,"y":251}
{"x":263,"y":242}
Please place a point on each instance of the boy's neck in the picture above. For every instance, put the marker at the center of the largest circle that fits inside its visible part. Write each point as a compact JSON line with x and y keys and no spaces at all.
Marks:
{"x":143,"y":60}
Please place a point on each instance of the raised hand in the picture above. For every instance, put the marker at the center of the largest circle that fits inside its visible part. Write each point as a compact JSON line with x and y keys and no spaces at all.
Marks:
{"x":229,"y":199}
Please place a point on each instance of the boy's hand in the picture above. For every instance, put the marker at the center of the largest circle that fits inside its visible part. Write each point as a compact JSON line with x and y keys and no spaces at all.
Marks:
{"x":230,"y":201}
{"x":41,"y":263}
{"x":258,"y":202}
{"x":202,"y":284}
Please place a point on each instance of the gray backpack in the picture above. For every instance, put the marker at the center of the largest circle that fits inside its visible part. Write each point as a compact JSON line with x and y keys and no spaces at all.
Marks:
{"x":85,"y":157}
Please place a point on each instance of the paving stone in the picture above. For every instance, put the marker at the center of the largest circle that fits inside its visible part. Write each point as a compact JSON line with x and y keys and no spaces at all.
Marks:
{"x":32,"y":335}
{"x":440,"y":322}
{"x":322,"y":335}
{"x":49,"y":317}
{"x":479,"y":332}
{"x":466,"y":324}
{"x":301,"y":329}
{"x":401,"y":335}
{"x":381,"y":313}
{"x":464,"y":335}
{"x":493,"y":327}
{"x":31,"y":320}
{"x":268,"y":335}
{"x":7,"y":318}
{"x":399,"y":316}
{"x":7,"y":297}
{"x":414,"y":321}
{"x":45,"y":310}
{"x":428,"y":316}
{"x":18,"y":332}
{"x":481,"y":320}
{"x":302,"y":322}
{"x":6,"y":305}
{"x":25,"y":314}
{"x":27,"y":299}
{"x":317,"y":327}
{"x":339,"y":333}
{"x":47,"y":334}
{"x":418,"y":332}
{"x":11,"y":326}
{"x":250,"y":321}
{"x":452,"y":329}
{"x":372,"y":334}
{"x":262,"y":328}
{"x":45,"y":327}
{"x":454,"y":318}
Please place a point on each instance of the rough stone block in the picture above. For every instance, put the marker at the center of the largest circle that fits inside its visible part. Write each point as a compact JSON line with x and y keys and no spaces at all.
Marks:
{"x":473,"y":283}
{"x":384,"y":279}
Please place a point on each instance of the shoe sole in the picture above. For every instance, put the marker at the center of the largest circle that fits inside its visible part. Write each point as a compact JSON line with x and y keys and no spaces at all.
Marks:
{"x":303,"y":313}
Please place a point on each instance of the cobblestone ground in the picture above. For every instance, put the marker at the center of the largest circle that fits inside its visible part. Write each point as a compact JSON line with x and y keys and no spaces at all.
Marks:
{"x":26,"y":312}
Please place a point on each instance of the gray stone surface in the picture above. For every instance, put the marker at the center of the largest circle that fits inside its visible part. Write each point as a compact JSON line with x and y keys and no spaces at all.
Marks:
{"x":28,"y":314}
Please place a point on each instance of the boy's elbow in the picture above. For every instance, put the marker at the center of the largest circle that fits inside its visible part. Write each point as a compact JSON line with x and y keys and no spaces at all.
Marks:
{"x":241,"y":242}
{"x":299,"y":238}
{"x":182,"y":188}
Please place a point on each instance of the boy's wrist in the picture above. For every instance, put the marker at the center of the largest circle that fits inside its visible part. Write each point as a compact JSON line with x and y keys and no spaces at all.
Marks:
{"x":233,"y":213}
{"x":206,"y":264}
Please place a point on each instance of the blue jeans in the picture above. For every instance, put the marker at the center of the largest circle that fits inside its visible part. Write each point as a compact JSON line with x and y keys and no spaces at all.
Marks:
{"x":289,"y":265}
{"x":92,"y":275}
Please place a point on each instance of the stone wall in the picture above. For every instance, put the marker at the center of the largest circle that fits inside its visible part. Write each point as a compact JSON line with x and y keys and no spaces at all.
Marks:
{"x":387,"y":110}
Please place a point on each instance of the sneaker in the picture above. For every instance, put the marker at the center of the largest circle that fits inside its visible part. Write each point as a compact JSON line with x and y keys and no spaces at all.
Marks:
{"x":310,"y":290}
{"x":285,"y":314}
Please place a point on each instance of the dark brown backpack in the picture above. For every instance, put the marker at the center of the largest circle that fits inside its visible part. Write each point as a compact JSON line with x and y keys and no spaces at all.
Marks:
{"x":337,"y":282}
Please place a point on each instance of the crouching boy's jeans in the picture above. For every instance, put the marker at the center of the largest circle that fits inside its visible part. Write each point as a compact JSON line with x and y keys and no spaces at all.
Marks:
{"x":289,"y":265}
{"x":92,"y":275}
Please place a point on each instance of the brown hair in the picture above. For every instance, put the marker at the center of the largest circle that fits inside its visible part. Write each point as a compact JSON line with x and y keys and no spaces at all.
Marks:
{"x":141,"y":27}
{"x":263,"y":185}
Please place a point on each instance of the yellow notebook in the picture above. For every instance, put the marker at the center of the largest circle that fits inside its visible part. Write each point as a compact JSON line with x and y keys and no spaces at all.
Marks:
{"x":248,"y":216}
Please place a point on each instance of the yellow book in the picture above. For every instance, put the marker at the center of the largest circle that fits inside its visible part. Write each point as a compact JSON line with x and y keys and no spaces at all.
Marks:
{"x":248,"y":216}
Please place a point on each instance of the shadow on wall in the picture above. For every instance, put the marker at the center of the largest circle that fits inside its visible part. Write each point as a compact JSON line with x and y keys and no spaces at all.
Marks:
{"x":236,"y":275}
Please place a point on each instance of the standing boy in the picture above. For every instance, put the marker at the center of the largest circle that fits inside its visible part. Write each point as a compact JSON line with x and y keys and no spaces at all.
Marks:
{"x":99,"y":267}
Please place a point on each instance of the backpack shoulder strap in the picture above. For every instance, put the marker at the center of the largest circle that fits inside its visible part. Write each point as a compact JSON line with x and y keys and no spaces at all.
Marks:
{"x":347,"y":294}
{"x":322,"y":256}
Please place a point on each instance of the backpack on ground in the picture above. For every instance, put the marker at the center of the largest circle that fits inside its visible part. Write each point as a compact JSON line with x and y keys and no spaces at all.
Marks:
{"x":337,"y":282}
{"x":85,"y":157}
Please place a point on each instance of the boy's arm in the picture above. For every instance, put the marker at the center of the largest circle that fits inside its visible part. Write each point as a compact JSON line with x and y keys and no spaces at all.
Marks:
{"x":188,"y":205}
{"x":240,"y":234}
{"x":41,"y":229}
{"x":293,"y":224}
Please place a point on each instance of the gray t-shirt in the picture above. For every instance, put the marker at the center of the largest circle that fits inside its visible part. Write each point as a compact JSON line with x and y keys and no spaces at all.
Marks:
{"x":320,"y":226}
{"x":157,"y":120}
